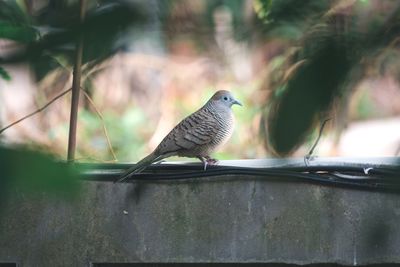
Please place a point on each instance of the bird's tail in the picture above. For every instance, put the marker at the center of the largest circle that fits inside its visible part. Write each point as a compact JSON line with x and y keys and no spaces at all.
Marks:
{"x":140,"y":166}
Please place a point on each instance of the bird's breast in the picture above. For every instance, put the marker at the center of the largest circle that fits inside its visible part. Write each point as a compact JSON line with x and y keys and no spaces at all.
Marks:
{"x":226,"y":124}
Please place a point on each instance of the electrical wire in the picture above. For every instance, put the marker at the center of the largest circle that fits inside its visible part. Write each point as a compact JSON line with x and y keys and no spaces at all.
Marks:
{"x":361,"y":176}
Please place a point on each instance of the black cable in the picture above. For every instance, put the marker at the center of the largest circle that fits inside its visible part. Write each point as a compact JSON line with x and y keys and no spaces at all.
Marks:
{"x":363,"y":176}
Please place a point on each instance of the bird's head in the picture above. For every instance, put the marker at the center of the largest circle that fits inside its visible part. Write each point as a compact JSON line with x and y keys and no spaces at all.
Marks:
{"x":225,"y":98}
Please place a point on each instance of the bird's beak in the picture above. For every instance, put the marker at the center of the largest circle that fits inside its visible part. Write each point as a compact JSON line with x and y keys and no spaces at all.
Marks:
{"x":236,"y":102}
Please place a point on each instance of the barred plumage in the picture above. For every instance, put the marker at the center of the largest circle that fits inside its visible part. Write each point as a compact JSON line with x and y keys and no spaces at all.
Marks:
{"x":198,"y":135}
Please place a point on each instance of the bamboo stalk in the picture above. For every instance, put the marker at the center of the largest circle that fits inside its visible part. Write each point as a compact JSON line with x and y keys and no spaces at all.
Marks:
{"x":76,"y":85}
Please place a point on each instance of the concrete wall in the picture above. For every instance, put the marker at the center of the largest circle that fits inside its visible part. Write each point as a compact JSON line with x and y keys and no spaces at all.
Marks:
{"x":202,"y":221}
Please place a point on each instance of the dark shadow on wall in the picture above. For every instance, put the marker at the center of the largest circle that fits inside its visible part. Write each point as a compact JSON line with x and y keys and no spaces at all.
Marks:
{"x":230,"y":264}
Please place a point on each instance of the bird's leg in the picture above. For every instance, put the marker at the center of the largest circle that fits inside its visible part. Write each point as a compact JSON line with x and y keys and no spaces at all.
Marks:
{"x":204,"y":160}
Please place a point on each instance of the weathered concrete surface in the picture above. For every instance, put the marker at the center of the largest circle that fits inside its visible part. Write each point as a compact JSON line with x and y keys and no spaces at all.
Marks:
{"x":202,"y":221}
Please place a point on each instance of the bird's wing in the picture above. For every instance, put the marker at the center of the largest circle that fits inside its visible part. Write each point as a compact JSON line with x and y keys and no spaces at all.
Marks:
{"x":196,"y":130}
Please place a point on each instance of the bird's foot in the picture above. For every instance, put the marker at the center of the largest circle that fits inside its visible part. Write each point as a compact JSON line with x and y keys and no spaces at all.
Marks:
{"x":211,"y":161}
{"x":208,"y":161}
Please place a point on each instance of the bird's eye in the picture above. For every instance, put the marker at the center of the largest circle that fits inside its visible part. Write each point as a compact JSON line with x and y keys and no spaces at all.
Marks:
{"x":225,"y":98}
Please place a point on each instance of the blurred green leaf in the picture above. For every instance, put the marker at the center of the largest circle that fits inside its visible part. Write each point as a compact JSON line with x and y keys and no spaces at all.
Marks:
{"x":336,"y":48}
{"x":44,"y":65}
{"x":290,"y":10}
{"x":4,"y":74}
{"x":23,"y":34}
{"x":33,"y":171}
{"x":105,"y":27}
{"x":104,"y":30}
{"x":308,"y":94}
{"x":11,"y":11}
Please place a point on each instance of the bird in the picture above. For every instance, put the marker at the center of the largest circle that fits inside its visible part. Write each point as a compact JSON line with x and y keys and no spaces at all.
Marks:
{"x":196,"y":136}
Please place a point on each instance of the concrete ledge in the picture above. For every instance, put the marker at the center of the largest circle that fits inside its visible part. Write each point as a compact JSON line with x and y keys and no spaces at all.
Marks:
{"x":202,"y":221}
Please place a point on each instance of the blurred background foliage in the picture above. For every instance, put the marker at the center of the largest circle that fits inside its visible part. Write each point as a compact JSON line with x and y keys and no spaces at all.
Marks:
{"x":148,"y":64}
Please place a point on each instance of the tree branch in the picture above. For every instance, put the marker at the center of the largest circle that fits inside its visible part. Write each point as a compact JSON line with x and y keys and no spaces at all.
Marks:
{"x":36,"y":111}
{"x":103,"y":124}
{"x":321,"y":129}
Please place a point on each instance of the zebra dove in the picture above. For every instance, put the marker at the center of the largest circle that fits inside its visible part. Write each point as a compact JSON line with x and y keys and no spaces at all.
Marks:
{"x":196,"y":136}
